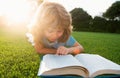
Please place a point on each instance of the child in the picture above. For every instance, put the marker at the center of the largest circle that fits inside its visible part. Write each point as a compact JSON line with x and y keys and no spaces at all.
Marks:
{"x":51,"y":31}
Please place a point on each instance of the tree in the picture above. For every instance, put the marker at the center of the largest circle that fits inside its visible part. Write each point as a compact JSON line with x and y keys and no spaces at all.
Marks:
{"x":98,"y":24}
{"x":80,"y":19}
{"x":113,"y":11}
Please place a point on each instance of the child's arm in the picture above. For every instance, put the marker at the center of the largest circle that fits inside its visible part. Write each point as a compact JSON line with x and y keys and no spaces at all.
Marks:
{"x":41,"y":50}
{"x":76,"y":49}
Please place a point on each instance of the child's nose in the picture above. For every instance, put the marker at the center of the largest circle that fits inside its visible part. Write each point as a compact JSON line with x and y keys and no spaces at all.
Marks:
{"x":55,"y":35}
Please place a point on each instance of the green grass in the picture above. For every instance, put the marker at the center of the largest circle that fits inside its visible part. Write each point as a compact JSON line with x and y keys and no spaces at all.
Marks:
{"x":104,"y":44}
{"x":17,"y":57}
{"x":19,"y":60}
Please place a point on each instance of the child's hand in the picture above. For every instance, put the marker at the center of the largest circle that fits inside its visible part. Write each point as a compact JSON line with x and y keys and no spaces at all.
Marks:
{"x":62,"y":50}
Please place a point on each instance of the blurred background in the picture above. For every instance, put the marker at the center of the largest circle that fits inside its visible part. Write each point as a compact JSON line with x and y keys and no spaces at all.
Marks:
{"x":87,"y":15}
{"x":15,"y":15}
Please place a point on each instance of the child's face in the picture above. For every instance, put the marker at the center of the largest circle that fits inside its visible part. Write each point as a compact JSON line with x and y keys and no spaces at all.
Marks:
{"x":53,"y":34}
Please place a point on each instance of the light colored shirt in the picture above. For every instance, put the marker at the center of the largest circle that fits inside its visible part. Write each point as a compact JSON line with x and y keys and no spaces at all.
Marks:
{"x":69,"y":43}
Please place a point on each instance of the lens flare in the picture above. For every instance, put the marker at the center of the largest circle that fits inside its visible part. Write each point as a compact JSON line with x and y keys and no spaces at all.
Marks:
{"x":16,"y":11}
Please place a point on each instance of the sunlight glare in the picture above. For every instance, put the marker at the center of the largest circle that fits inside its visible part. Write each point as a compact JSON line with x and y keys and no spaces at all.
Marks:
{"x":16,"y":11}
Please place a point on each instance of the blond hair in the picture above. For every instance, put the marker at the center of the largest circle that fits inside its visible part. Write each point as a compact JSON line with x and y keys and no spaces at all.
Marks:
{"x":51,"y":14}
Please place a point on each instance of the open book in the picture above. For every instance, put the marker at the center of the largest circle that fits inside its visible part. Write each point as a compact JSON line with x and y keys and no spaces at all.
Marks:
{"x":85,"y":65}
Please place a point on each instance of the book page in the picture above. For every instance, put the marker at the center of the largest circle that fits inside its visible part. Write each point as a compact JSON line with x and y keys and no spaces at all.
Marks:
{"x":96,"y":62}
{"x":55,"y":61}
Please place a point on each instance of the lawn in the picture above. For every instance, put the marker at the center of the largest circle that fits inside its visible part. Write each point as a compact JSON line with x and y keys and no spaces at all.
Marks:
{"x":19,"y":60}
{"x":104,"y":44}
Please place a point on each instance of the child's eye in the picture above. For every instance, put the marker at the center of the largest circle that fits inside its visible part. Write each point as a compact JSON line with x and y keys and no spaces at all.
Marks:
{"x":59,"y":31}
{"x":50,"y":31}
